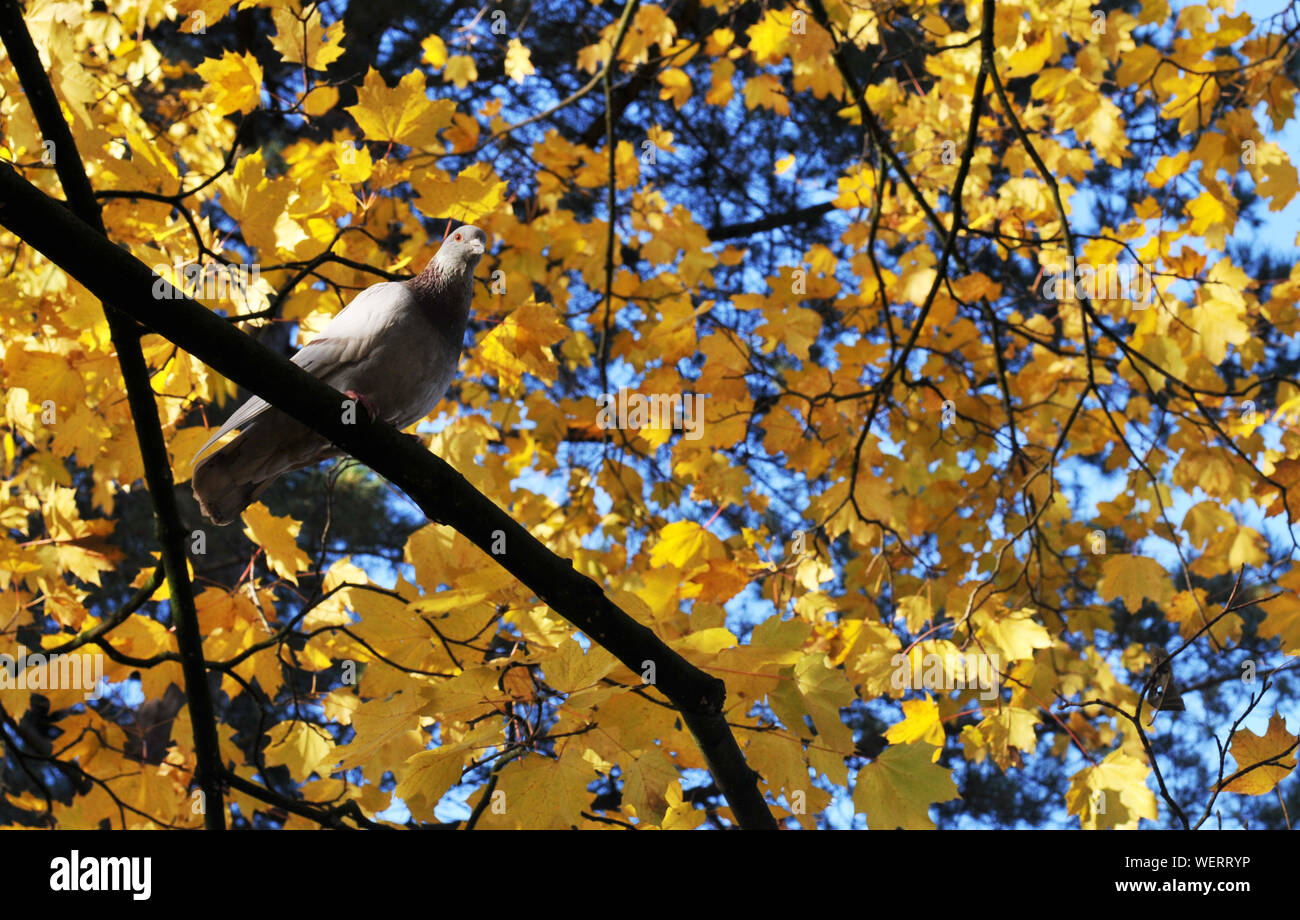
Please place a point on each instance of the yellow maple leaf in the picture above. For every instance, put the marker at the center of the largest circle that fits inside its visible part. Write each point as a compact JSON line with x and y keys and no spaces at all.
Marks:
{"x":1219,"y":319}
{"x":1006,"y":733}
{"x":921,"y":722}
{"x":306,"y":41}
{"x":768,"y":37}
{"x":1204,"y":520}
{"x":650,"y":26}
{"x":685,"y":544}
{"x":1191,"y":616}
{"x":572,"y":669}
{"x":765,"y":91}
{"x":386,"y":730}
{"x":1032,"y":57}
{"x":819,"y":691}
{"x":1112,"y":793}
{"x":434,"y":52}
{"x":426,"y":776}
{"x":472,"y":195}
{"x":234,"y":82}
{"x":915,"y":610}
{"x":721,"y":581}
{"x":681,"y":815}
{"x":541,"y":793}
{"x":1255,"y":775}
{"x":1210,"y":218}
{"x":199,"y":14}
{"x":1279,"y":182}
{"x":898,"y":788}
{"x":1249,"y":548}
{"x":300,"y":747}
{"x":1167,"y":169}
{"x":461,"y":70}
{"x":721,"y":89}
{"x":85,"y":558}
{"x":706,"y":642}
{"x":791,"y":325}
{"x":402,"y":114}
{"x":1016,"y":633}
{"x":1133,"y":578}
{"x":915,"y":282}
{"x":1137,"y":65}
{"x":278,"y":537}
{"x":1166,"y":353}
{"x":319,"y":100}
{"x":519,"y":62}
{"x":779,"y":761}
{"x":260,"y":205}
{"x":520,"y":344}
{"x":676,"y":85}
{"x":1282,"y":621}
{"x":46,"y":377}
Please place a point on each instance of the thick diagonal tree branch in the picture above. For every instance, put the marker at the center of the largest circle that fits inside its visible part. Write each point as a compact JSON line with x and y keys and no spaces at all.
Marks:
{"x":440,"y":492}
{"x":144,"y":411}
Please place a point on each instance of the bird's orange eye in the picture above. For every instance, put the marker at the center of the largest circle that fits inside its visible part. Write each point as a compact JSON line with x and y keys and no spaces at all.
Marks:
{"x":457,"y":236}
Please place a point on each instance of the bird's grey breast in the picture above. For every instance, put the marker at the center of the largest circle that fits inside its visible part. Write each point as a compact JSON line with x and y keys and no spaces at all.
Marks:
{"x":412,"y":364}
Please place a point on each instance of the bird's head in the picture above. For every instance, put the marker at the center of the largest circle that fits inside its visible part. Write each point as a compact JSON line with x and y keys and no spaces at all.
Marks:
{"x":461,"y":250}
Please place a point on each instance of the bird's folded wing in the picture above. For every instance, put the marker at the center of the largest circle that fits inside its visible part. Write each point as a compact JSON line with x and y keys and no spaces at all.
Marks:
{"x":344,"y":341}
{"x":242,"y":416}
{"x":354,"y":333}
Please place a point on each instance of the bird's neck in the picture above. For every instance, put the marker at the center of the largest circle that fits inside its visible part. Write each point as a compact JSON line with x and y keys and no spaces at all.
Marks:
{"x":440,"y":285}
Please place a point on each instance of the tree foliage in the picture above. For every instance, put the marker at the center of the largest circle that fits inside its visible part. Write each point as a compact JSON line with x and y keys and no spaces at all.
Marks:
{"x":983,"y":461}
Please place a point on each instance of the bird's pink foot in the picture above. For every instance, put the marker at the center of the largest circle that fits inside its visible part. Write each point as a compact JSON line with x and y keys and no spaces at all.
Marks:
{"x":365,"y":403}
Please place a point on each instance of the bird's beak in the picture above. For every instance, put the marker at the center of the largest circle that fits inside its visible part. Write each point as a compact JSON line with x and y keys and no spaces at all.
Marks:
{"x":476,"y":247}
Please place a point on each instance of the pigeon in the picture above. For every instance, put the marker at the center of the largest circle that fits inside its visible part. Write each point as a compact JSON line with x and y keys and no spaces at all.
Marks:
{"x":394,"y":349}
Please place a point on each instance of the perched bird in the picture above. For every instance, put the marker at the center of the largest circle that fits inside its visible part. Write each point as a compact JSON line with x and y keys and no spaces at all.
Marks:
{"x":394,"y":349}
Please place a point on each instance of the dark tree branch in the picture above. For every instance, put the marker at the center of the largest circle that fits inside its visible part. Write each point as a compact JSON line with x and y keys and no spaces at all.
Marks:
{"x":117,"y":618}
{"x":771,"y":222}
{"x":323,"y":814}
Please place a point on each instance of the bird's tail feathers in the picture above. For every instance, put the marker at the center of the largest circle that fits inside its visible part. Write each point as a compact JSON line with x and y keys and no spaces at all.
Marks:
{"x":230,"y":479}
{"x":222,"y":492}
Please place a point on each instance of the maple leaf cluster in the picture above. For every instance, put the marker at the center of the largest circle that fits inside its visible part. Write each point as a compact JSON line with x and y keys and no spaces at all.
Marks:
{"x":928,"y":495}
